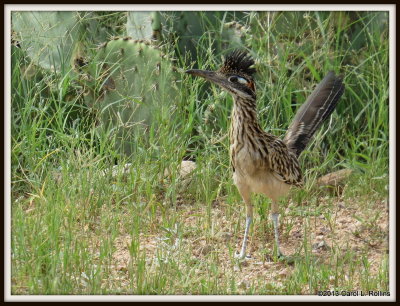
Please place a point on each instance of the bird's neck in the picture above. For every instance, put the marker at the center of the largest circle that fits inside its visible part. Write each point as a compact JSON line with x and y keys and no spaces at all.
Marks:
{"x":244,"y":122}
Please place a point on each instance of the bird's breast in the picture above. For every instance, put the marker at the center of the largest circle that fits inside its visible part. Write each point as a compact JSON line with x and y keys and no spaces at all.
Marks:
{"x":260,"y":180}
{"x":246,"y":160}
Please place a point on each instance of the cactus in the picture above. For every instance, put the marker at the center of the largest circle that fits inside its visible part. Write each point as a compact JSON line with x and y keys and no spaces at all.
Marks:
{"x":50,"y":39}
{"x":144,"y":25}
{"x":47,"y":37}
{"x":191,"y":26}
{"x":185,"y":29}
{"x":125,"y":81}
{"x":233,"y":34}
{"x":92,"y":30}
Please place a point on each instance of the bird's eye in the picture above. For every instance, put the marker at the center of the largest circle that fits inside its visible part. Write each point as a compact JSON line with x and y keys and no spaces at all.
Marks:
{"x":233,"y":79}
{"x":237,"y":79}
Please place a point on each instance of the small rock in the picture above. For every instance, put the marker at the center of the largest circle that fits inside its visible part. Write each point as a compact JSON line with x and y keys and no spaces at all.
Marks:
{"x":320,"y":246}
{"x":335,"y":178}
{"x":187,"y":166}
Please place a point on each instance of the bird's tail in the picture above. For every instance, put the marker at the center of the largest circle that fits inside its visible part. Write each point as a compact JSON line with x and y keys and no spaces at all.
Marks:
{"x":318,"y":107}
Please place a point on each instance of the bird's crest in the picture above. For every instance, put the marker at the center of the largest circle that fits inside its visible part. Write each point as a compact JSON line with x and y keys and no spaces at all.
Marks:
{"x":238,"y":62}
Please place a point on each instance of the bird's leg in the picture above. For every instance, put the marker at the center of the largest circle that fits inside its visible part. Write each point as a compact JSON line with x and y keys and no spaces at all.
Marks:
{"x":242,"y":253}
{"x":275,"y":217}
{"x":249,"y":219}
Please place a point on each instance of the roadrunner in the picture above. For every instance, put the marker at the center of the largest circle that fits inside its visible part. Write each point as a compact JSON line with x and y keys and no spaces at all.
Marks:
{"x":261,"y":162}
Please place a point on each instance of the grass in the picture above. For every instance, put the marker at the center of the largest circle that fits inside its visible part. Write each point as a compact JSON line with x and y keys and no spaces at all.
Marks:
{"x":76,"y":229}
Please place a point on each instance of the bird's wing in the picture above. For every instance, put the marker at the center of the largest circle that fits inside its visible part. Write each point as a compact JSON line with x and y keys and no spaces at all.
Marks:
{"x":283,"y":163}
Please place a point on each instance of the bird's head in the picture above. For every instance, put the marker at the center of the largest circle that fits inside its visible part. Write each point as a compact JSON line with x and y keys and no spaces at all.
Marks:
{"x":235,"y":75}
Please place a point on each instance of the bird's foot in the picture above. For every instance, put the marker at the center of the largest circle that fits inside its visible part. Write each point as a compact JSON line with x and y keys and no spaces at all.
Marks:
{"x":242,"y":255}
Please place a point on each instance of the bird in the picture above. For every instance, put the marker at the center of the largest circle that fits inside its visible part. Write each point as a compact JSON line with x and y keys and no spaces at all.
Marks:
{"x":263,"y":163}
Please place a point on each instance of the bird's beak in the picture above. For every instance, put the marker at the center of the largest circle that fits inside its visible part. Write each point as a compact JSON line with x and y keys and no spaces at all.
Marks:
{"x":211,"y":76}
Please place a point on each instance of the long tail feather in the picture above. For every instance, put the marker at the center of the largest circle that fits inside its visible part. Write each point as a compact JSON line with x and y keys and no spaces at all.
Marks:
{"x":318,"y":107}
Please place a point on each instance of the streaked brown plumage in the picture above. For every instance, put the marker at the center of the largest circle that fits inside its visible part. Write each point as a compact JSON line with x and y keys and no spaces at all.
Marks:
{"x":261,"y":162}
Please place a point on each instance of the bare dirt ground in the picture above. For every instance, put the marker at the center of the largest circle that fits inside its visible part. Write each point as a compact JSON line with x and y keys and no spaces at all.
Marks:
{"x":345,"y":228}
